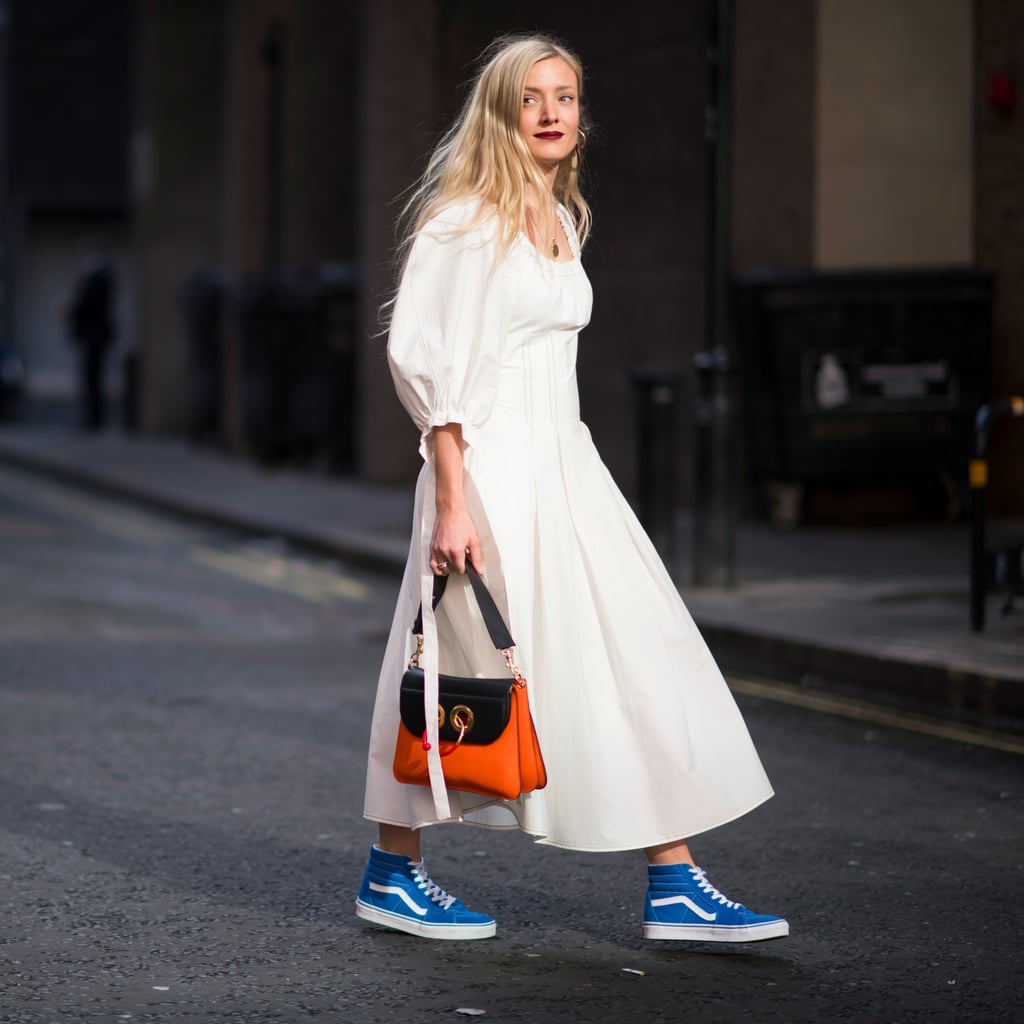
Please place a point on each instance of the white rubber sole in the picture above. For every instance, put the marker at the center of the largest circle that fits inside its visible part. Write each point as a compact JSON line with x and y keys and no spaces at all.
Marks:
{"x":717,"y":933}
{"x":452,"y":932}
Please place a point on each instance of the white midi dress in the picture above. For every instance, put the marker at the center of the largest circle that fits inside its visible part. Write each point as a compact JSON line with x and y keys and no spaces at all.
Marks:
{"x":641,"y":737}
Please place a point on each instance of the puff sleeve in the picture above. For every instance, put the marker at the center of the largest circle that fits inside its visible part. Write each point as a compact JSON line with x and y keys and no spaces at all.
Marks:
{"x":448,"y":325}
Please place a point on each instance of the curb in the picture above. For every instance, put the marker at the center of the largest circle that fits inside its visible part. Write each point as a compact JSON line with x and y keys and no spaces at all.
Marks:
{"x":963,"y":696}
{"x":359,"y":548}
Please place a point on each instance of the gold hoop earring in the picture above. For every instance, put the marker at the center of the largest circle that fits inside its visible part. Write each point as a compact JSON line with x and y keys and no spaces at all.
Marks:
{"x":581,"y":144}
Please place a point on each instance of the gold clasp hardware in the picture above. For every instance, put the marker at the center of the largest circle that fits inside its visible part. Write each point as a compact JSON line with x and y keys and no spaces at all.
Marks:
{"x":462,"y":718}
{"x":414,"y":661}
{"x":517,"y":674}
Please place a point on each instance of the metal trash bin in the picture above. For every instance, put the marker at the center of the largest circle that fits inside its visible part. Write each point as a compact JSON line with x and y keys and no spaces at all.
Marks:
{"x":860,"y":377}
{"x":656,"y":392}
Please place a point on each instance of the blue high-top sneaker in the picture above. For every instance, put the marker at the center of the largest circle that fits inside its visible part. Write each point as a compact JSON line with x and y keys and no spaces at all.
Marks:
{"x":682,"y":904}
{"x":397,"y":893}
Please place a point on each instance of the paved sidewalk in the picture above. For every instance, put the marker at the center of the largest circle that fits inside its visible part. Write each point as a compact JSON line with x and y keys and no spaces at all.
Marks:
{"x":876,"y":611}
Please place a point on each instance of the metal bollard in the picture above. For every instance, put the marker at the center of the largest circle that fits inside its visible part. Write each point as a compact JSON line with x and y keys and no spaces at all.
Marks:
{"x":978,"y":480}
{"x":657,"y":389}
{"x":714,"y":512}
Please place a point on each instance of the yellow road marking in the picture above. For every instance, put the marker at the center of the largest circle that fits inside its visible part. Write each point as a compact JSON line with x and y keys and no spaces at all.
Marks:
{"x":20,"y":528}
{"x":862,"y":711}
{"x":305,"y":581}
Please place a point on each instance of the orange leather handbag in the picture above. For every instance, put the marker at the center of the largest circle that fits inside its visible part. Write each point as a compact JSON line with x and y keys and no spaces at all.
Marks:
{"x":488,"y":741}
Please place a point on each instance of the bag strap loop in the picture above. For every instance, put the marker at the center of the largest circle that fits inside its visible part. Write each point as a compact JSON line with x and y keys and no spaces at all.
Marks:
{"x":496,"y":628}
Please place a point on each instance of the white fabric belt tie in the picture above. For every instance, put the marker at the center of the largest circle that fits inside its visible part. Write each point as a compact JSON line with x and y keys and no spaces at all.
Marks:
{"x":429,"y":661}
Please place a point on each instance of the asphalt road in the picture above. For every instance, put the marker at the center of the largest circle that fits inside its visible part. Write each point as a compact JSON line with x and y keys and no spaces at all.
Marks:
{"x":182,"y":733}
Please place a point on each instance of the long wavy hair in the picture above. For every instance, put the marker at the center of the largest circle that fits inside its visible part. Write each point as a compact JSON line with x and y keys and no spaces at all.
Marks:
{"x":484,"y":156}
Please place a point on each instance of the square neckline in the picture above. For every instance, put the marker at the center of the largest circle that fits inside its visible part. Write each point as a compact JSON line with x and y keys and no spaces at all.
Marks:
{"x":570,"y":234}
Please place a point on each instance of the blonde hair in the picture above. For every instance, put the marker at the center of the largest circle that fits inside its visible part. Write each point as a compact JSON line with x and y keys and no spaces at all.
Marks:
{"x":483,"y":155}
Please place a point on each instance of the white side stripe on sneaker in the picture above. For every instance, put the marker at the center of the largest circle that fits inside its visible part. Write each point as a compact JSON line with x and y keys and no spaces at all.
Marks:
{"x":395,"y":890}
{"x":667,"y":901}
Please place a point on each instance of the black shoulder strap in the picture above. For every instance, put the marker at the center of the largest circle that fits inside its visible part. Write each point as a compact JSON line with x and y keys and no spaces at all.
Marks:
{"x":440,"y":582}
{"x":496,"y":628}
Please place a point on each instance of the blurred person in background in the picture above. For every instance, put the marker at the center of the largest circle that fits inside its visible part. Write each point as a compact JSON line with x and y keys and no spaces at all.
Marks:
{"x":90,"y":319}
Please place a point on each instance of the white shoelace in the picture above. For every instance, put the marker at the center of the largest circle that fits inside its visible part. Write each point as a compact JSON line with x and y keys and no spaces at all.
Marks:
{"x":429,"y":888}
{"x":705,"y":886}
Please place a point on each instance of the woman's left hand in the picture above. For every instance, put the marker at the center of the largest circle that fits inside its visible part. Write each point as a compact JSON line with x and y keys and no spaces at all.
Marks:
{"x":453,"y":540}
{"x":454,"y":535}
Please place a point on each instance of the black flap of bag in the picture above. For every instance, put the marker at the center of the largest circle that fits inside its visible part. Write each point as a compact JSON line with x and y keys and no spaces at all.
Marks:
{"x":487,"y":701}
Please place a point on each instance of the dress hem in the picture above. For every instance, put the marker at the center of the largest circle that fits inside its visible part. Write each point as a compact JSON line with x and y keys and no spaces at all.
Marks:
{"x":541,"y":839}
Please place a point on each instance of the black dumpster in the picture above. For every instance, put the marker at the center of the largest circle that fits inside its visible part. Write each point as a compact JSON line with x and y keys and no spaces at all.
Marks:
{"x":860,"y":377}
{"x":339,"y":281}
{"x":130,"y":391}
{"x":12,"y":383}
{"x":296,"y":332}
{"x":202,"y":302}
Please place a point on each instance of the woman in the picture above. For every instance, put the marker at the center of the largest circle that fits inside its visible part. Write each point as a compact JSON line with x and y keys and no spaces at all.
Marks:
{"x":643,"y":743}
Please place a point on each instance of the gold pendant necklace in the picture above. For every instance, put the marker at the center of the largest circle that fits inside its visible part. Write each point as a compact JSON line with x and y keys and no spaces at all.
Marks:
{"x":554,"y":248}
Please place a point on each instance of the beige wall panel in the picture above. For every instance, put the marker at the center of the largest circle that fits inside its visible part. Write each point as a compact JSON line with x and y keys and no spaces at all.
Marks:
{"x":773,"y":134}
{"x":893,"y":119}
